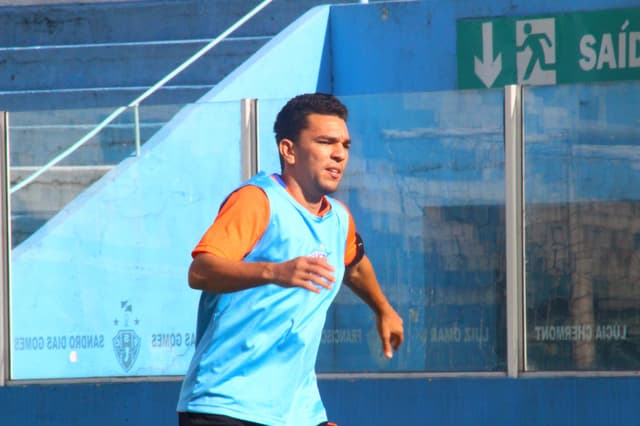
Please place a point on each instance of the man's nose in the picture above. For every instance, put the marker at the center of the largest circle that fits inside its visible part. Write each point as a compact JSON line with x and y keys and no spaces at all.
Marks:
{"x":339,"y":152}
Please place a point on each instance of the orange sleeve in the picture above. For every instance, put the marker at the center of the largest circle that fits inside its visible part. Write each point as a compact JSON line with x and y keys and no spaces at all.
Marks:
{"x":351,"y":248}
{"x":240,"y":223}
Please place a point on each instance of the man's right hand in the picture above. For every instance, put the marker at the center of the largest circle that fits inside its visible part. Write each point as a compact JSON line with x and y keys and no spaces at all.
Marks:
{"x":311,"y":273}
{"x":219,"y":275}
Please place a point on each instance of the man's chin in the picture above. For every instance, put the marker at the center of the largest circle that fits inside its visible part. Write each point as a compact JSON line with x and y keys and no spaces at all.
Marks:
{"x":330,"y":189}
{"x":329,"y":186}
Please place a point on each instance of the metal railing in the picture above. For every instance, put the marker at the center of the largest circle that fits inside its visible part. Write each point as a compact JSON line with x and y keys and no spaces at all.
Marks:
{"x":5,"y":238}
{"x":136,"y":102}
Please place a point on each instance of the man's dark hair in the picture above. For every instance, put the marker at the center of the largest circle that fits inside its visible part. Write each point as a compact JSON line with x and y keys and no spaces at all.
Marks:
{"x":292,"y":118}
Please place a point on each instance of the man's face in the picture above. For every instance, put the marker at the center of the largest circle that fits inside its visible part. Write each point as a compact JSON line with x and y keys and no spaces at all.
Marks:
{"x":320,"y":155}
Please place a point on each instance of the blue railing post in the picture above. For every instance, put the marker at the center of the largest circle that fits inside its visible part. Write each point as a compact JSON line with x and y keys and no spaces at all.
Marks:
{"x":5,"y":247}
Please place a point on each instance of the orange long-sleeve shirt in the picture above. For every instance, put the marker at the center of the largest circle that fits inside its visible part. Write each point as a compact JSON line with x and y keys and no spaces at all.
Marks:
{"x":242,"y":220}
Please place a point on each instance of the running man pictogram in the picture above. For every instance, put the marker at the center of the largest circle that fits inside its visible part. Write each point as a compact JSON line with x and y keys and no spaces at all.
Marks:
{"x":536,"y":46}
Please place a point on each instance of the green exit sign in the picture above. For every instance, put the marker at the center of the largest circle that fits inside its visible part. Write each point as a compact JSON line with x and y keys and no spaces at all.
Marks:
{"x":537,"y":50}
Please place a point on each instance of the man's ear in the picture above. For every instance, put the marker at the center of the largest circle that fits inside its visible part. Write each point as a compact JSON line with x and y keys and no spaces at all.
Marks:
{"x":287,"y":151}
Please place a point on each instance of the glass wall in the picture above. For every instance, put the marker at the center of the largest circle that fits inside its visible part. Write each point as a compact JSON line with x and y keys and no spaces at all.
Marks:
{"x":98,"y":284}
{"x":582,"y":151}
{"x":98,"y":288}
{"x":425,"y":184}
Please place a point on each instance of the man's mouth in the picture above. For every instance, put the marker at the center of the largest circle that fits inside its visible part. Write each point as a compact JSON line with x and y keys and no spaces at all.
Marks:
{"x":334,"y":172}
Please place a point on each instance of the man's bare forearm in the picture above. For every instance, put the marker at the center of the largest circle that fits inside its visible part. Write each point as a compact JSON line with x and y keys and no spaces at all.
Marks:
{"x":220,"y":275}
{"x":362,"y":280}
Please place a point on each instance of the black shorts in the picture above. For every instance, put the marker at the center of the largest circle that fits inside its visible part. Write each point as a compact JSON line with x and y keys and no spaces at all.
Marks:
{"x":198,"y":419}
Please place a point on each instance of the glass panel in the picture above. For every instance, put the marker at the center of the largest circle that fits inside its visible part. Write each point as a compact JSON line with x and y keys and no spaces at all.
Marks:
{"x":37,"y":137}
{"x":425,"y":185}
{"x":268,"y":157}
{"x":582,"y":245}
{"x":108,"y":269}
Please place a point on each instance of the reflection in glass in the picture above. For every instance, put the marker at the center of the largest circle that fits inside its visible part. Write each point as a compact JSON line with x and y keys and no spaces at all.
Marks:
{"x":582,"y":249}
{"x":37,"y":137}
{"x":425,"y":184}
{"x":107,"y":272}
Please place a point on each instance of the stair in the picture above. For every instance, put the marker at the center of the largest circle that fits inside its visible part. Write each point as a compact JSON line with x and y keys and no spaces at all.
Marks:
{"x":105,"y":54}
{"x":65,"y":66}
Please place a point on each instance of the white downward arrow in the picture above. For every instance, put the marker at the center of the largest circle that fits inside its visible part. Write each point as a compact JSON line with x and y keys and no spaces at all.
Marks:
{"x":487,"y":69}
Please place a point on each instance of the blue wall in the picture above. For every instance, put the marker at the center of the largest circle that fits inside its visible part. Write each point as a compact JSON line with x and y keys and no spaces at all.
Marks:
{"x":371,"y":402}
{"x":411,"y":46}
{"x":357,"y":49}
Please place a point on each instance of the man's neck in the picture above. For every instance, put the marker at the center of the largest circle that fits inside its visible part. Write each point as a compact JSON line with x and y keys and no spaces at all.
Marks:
{"x":313,"y":205}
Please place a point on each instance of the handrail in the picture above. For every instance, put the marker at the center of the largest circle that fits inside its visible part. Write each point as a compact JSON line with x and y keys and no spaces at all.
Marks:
{"x":43,"y":47}
{"x":136,"y":102}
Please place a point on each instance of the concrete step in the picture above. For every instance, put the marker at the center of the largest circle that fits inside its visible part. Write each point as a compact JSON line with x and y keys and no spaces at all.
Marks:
{"x":132,"y":21}
{"x":37,"y":202}
{"x":92,"y":53}
{"x":114,"y":65}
